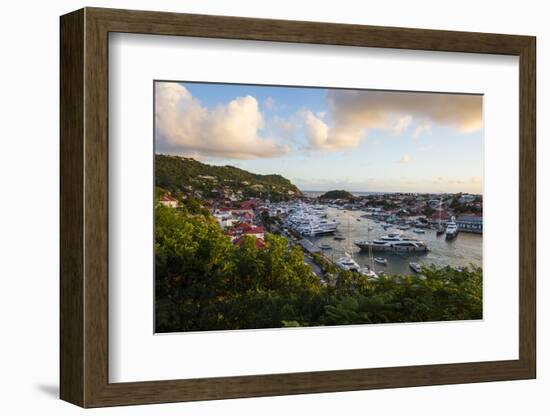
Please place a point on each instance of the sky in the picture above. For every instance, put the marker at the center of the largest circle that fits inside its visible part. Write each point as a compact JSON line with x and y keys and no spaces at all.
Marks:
{"x":324,"y":138}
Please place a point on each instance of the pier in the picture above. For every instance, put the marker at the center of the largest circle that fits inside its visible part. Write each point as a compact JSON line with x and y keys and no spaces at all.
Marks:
{"x":309,"y":246}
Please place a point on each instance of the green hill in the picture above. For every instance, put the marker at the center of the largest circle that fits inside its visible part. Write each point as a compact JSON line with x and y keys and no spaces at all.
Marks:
{"x":337,"y":194}
{"x":181,"y":175}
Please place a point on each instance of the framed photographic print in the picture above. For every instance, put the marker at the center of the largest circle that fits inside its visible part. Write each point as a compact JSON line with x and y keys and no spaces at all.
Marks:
{"x":260,"y":207}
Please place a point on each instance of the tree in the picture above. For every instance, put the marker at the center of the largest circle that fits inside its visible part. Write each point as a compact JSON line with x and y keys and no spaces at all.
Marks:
{"x":204,"y":282}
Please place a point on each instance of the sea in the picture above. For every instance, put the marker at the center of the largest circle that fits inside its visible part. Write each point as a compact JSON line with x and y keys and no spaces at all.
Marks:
{"x":464,"y":250}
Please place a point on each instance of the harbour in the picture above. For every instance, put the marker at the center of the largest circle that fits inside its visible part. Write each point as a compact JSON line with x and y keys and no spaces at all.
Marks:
{"x":355,"y":226}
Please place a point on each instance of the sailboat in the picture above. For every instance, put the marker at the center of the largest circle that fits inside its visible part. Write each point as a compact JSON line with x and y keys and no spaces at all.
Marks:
{"x":347,"y":262}
{"x":369,"y":269}
{"x":440,"y":228}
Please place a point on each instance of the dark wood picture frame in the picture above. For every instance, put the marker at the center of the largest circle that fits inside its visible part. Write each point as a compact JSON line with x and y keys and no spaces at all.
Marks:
{"x":84,"y":207}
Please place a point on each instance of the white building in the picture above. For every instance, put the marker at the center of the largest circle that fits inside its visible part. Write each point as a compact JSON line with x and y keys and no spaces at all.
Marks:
{"x":169,"y":201}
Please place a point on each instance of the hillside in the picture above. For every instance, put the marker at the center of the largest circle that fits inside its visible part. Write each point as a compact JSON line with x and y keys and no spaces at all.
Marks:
{"x":189,"y":176}
{"x":337,"y":194}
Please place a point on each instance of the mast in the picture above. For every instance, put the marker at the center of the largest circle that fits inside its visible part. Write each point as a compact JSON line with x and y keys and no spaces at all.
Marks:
{"x":371,"y":255}
{"x":440,"y":209}
{"x":349,"y":236}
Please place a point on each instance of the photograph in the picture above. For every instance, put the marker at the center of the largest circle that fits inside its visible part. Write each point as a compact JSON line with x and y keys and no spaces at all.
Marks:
{"x":295,"y":206}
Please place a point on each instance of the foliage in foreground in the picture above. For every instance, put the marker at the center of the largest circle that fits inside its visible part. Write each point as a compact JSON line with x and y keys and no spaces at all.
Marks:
{"x":203,"y":282}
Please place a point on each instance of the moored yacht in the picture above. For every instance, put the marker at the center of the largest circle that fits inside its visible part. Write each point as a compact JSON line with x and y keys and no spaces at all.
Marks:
{"x":452,"y":229}
{"x":393,"y":242}
{"x":381,"y":260}
{"x":347,"y":263}
{"x":368,"y":272}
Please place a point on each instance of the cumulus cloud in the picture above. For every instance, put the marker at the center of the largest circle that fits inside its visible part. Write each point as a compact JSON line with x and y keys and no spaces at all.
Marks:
{"x":321,"y":136}
{"x":231,"y":130}
{"x":354,"y":112}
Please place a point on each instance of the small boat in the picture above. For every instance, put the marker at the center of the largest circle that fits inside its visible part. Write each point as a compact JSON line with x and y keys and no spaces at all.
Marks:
{"x":325,"y":246}
{"x":371,"y":228}
{"x":366,"y":271}
{"x":339,"y":237}
{"x":415,"y":267}
{"x":419,"y":231}
{"x":381,"y":260}
{"x":347,"y":263}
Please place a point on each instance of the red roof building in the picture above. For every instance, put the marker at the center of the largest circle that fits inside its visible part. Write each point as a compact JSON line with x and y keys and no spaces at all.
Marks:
{"x":243,"y":226}
{"x":169,"y":201}
{"x":249,"y":204}
{"x":260,"y":244}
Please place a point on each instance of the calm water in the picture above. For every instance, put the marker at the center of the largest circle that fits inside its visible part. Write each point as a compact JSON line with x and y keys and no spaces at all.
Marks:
{"x":464,"y":250}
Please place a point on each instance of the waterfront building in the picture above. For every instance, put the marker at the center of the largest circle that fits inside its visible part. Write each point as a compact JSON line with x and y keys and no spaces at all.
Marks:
{"x":470,"y":224}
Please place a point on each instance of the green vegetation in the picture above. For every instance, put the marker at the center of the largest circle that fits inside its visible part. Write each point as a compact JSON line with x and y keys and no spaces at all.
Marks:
{"x":326,"y":265}
{"x":203,"y":282}
{"x":187,"y":176}
{"x":338,"y":194}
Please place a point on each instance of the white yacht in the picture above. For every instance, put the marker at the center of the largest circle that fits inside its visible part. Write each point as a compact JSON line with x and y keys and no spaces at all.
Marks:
{"x":310,"y":220}
{"x":452,"y":229}
{"x":381,"y":260}
{"x":393,"y":242}
{"x":368,"y":272}
{"x":347,"y":263}
{"x":317,"y":227}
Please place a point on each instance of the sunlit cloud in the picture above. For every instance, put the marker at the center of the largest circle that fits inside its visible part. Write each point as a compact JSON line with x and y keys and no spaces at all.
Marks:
{"x":323,"y":137}
{"x":354,"y":113}
{"x":183,"y":126}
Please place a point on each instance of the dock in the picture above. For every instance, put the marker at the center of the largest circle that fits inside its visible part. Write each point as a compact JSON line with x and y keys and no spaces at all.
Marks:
{"x":309,"y":246}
